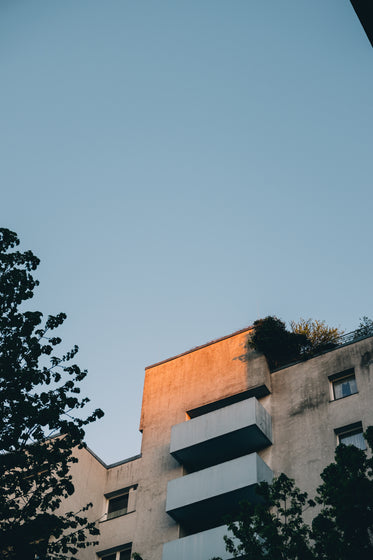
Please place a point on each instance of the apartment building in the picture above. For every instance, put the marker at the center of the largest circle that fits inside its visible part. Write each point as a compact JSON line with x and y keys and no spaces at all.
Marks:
{"x":214,"y":423}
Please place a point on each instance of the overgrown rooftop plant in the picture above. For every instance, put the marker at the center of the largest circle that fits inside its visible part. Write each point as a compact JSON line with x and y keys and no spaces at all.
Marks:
{"x":279,"y":345}
{"x":306,"y":339}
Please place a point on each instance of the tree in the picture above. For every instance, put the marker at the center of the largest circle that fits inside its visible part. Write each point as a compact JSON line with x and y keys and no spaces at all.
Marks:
{"x":279,"y":345}
{"x":342,"y":530}
{"x":40,"y":421}
{"x":274,"y":529}
{"x":365,"y":328}
{"x":282,"y":347}
{"x":320,"y":336}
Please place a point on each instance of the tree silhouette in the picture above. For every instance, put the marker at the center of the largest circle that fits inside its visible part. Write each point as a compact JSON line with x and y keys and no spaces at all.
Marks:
{"x":40,"y":421}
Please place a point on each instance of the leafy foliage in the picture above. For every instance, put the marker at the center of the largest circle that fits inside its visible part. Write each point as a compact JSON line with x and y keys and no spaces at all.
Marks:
{"x":282,"y":347}
{"x":320,"y":336}
{"x":40,"y":422}
{"x":343,"y":529}
{"x":273,"y":530}
{"x":365,"y":328}
{"x":279,"y":346}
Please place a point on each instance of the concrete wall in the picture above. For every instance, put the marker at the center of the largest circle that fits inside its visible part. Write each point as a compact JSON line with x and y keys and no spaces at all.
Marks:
{"x":120,"y":530}
{"x":92,"y":480}
{"x":304,"y":417}
{"x":202,"y":376}
{"x":89,"y":478}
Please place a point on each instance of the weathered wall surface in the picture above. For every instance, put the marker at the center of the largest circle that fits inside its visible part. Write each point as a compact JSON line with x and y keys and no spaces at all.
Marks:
{"x":92,"y":480}
{"x":89,"y":478}
{"x":304,"y":416}
{"x":202,"y":376}
{"x":120,"y":530}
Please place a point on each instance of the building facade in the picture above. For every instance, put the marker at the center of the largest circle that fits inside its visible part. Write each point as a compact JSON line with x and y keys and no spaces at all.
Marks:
{"x":214,"y":423}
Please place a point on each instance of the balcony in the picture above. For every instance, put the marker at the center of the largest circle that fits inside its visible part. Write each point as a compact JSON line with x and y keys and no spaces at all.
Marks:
{"x":221,"y":435}
{"x":200,"y":500}
{"x":200,"y":546}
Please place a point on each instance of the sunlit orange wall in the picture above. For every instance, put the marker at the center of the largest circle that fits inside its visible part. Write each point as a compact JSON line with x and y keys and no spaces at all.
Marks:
{"x":207,"y":374}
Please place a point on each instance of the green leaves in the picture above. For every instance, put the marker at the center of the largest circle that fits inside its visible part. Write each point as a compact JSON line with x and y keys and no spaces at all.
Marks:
{"x":273,"y":530}
{"x":282,"y":347}
{"x":279,"y":346}
{"x":346,"y":497}
{"x":38,"y":400}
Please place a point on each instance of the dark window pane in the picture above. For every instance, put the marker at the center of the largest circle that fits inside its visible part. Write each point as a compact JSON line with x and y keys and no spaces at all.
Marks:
{"x":117,"y":506}
{"x":125,"y":554}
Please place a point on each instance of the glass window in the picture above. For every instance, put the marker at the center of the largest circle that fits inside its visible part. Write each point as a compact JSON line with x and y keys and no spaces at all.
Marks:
{"x":344,"y":386}
{"x":117,"y":506}
{"x":122,"y":554}
{"x":354,"y":437}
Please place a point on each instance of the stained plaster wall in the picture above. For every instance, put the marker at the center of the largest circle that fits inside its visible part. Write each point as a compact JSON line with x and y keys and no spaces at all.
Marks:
{"x":304,"y":416}
{"x":202,"y":376}
{"x":120,"y":530}
{"x":89,"y":478}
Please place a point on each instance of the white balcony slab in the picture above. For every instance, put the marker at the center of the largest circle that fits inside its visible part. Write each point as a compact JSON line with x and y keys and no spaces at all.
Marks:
{"x":201,"y":546}
{"x":227,"y":433}
{"x":212,"y":493}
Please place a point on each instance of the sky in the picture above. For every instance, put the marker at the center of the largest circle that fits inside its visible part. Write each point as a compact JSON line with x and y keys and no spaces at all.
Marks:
{"x":182,"y":168}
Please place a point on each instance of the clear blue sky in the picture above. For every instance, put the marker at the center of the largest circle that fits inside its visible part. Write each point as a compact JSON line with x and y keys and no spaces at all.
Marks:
{"x":182,"y":168}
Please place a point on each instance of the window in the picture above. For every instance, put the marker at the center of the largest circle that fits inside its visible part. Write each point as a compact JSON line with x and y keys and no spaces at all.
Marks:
{"x":352,"y":435}
{"x":117,"y":506}
{"x":118,"y":553}
{"x":355,"y":437}
{"x":120,"y":502}
{"x":343,"y":384}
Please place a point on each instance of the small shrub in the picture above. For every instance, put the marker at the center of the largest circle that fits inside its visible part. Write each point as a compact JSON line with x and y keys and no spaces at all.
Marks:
{"x":320,"y":336}
{"x":279,"y":345}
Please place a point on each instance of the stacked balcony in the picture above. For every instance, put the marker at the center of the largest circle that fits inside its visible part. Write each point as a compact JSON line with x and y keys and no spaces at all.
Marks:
{"x":218,"y":449}
{"x":201,"y":546}
{"x":204,"y":497}
{"x":221,"y":435}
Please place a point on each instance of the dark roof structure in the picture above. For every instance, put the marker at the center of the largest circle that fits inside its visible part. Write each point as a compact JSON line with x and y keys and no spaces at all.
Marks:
{"x":364,"y":11}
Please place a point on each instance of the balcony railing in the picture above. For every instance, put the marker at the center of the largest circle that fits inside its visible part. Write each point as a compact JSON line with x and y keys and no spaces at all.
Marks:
{"x":353,"y":336}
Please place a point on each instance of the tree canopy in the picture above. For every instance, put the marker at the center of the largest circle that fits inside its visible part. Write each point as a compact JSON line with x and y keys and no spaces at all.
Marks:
{"x":319,"y":335}
{"x":279,"y":345}
{"x":40,"y":420}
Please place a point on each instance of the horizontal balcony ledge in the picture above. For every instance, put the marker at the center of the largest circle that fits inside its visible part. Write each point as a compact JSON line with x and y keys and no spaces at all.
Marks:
{"x":200,"y":546}
{"x":208,"y":495}
{"x":221,"y":435}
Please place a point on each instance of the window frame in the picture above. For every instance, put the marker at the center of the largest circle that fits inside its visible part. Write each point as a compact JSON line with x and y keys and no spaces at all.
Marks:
{"x":110,"y":496}
{"x":117,"y":512}
{"x":350,"y":430}
{"x":115,"y":550}
{"x":337,"y":377}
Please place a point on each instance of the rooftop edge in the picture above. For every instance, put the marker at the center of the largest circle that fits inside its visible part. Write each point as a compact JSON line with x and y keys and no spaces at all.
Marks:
{"x":246,"y":329}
